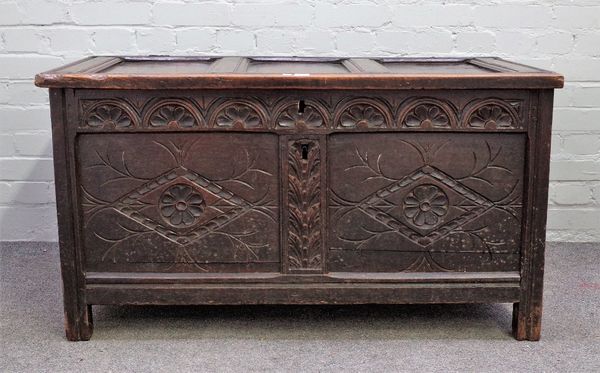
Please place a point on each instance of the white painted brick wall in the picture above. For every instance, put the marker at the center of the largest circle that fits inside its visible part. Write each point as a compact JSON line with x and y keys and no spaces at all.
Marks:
{"x":36,"y":35}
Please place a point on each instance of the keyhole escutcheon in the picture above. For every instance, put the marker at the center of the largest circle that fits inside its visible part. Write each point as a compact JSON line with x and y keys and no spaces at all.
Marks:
{"x":301,"y":107}
{"x":304,"y":150}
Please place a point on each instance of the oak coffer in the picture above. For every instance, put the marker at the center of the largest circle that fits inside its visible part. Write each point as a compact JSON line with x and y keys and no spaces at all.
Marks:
{"x":212,"y":180}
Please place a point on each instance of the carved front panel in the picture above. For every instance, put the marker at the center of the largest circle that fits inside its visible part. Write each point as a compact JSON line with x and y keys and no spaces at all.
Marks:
{"x":179,"y":202}
{"x":368,"y":181}
{"x":425,"y":202}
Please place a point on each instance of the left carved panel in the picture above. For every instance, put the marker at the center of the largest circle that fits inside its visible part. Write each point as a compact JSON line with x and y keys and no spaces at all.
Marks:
{"x":179,"y":203}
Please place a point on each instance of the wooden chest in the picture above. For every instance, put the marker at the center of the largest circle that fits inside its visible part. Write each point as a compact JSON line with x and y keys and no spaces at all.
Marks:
{"x":301,"y":181}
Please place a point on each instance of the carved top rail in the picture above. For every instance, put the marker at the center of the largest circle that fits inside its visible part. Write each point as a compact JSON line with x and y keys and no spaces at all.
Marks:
{"x":312,"y":112}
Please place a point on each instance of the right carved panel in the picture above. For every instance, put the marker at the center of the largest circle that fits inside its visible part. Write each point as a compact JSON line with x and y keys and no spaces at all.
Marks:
{"x":425,"y":202}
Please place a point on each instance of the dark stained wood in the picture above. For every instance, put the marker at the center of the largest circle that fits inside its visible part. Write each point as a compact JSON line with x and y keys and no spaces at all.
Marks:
{"x":304,"y":197}
{"x":186,"y":181}
{"x":78,"y":313}
{"x":527,"y":314}
{"x":395,"y":293}
{"x":324,"y":113}
{"x":330,"y":277}
{"x":297,"y":73}
{"x":228,"y":181}
{"x":380,"y":226}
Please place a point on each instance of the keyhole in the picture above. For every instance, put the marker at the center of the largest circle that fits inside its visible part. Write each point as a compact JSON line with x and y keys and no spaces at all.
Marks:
{"x":301,"y":106}
{"x":304,"y":149}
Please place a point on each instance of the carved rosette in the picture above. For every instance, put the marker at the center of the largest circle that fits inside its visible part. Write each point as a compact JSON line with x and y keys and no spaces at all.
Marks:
{"x":239,"y":114}
{"x":363,"y":114}
{"x":304,"y":205}
{"x":292,"y":116}
{"x":491,"y":114}
{"x":425,"y":205}
{"x":109,"y":114}
{"x":174,"y":114}
{"x":427,"y":113}
{"x":181,"y":205}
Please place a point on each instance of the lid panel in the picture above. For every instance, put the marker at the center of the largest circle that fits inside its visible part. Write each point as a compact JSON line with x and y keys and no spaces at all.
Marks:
{"x":296,"y":67}
{"x":206,"y":72}
{"x":159,"y":67}
{"x":443,"y":67}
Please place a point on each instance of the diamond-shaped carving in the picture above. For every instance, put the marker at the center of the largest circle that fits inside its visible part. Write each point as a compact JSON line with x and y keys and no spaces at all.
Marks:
{"x":431,"y":185}
{"x":222,"y":206}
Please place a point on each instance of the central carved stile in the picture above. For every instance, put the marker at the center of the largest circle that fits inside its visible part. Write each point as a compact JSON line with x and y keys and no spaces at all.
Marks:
{"x":304,"y":203}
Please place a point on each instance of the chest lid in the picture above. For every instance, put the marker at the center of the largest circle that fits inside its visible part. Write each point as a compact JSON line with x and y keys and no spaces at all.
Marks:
{"x":161,"y":72}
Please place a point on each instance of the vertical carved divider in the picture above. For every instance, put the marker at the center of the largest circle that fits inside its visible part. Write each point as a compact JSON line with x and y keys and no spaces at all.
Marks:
{"x":304,"y":196}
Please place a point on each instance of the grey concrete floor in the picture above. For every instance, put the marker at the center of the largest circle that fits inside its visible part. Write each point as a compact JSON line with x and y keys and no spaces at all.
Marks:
{"x":315,"y":339}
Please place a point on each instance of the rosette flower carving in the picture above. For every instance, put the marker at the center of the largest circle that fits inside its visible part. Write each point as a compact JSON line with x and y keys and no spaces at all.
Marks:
{"x":108,"y":115}
{"x":362,"y":116}
{"x":238,"y":115}
{"x":426,"y":116}
{"x":290,"y":118}
{"x":181,"y":205}
{"x":425,"y":205}
{"x":172,"y":116}
{"x":491,"y":116}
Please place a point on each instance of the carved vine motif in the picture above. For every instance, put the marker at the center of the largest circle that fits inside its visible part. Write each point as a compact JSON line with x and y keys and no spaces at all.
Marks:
{"x":304,"y":206}
{"x":491,"y":114}
{"x":363,"y":115}
{"x":172,"y":115}
{"x":92,"y":205}
{"x":180,"y":205}
{"x":307,"y":117}
{"x":238,"y":115}
{"x":427,"y":114}
{"x":108,"y":115}
{"x":425,"y":204}
{"x":426,"y":263}
{"x":121,"y":171}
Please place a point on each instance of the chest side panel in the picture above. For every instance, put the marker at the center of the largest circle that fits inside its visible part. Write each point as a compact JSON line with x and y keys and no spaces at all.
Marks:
{"x":425,"y":202}
{"x":179,"y":202}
